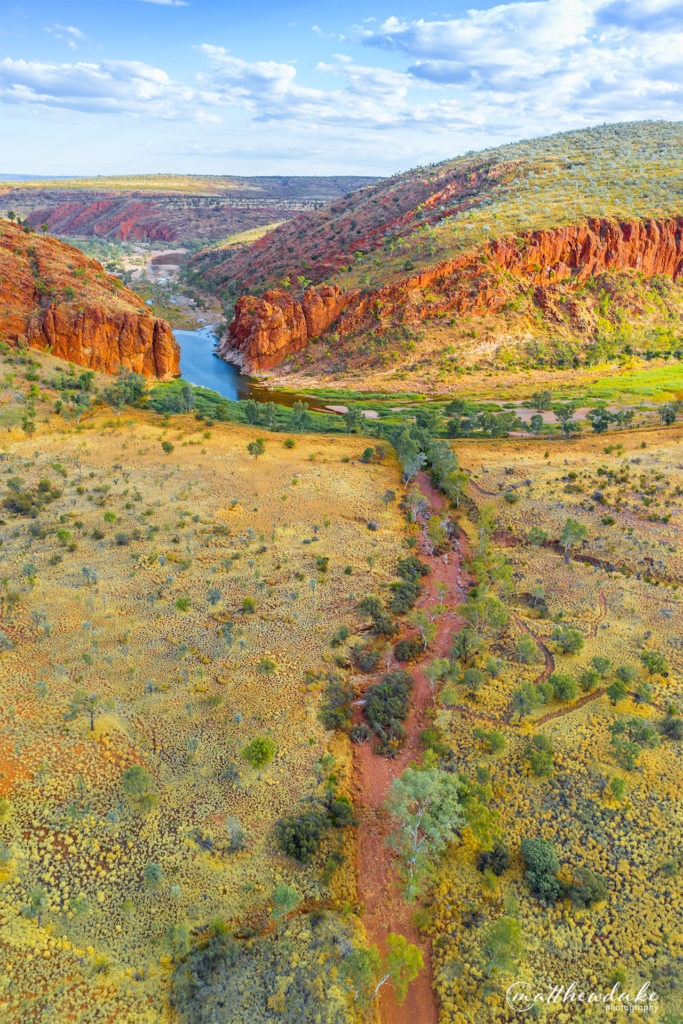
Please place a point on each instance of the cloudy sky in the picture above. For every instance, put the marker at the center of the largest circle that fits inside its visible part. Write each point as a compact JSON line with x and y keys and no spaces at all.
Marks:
{"x":339,"y":86}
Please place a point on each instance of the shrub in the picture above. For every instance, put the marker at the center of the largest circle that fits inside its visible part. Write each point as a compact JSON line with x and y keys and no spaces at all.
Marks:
{"x":655,"y":663}
{"x":672,"y":727}
{"x":542,"y":867}
{"x":340,"y":811}
{"x":492,"y":740}
{"x":257,"y":447}
{"x":564,"y":687}
{"x":336,"y":711}
{"x":585,"y":887}
{"x":138,"y":785}
{"x":300,"y":836}
{"x":387,"y":701}
{"x":259,"y":752}
{"x":167,"y":447}
{"x":236,"y":835}
{"x":340,"y":636}
{"x":365,"y":657}
{"x":152,"y":875}
{"x":496,"y":860}
{"x":412,"y":568}
{"x":527,"y":651}
{"x":182,"y":603}
{"x":569,"y":640}
{"x":249,"y":605}
{"x":539,"y":755}
{"x":410,"y":649}
{"x":405,"y":595}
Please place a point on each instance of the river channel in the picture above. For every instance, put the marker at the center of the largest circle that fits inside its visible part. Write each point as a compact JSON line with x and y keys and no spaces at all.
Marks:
{"x":199,"y":365}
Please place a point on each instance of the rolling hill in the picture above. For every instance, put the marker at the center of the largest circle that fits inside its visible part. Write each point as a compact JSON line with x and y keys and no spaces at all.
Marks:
{"x":549,"y":252}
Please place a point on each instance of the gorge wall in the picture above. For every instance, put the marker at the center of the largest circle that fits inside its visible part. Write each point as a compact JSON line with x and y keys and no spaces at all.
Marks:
{"x":265,"y":331}
{"x":53,"y":297}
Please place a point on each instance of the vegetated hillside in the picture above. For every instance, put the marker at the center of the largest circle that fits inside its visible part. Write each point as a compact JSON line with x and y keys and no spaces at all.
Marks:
{"x":168,"y":208}
{"x":492,"y":250}
{"x":53,"y":297}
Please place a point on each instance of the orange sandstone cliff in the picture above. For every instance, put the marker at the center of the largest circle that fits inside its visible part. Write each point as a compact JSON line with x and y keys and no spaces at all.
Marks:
{"x":53,"y":297}
{"x":265,"y":331}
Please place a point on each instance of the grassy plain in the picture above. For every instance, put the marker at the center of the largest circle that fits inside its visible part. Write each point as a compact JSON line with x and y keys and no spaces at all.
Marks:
{"x":621,"y":591}
{"x":131,"y":584}
{"x":185,"y":583}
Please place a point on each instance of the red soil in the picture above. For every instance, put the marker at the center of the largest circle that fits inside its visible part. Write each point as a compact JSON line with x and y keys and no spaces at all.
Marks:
{"x":379,"y":891}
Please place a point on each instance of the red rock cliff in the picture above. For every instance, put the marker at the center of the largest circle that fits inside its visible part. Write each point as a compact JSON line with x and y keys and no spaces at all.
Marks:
{"x":267,"y":330}
{"x":264,"y":332}
{"x":51,"y":296}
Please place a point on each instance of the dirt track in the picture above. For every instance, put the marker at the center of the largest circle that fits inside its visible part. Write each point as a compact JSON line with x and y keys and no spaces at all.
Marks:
{"x":385,"y":910}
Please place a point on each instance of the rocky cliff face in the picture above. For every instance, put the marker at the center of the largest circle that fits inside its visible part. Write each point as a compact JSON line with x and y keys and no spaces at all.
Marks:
{"x":265,"y":331}
{"x":53,"y":297}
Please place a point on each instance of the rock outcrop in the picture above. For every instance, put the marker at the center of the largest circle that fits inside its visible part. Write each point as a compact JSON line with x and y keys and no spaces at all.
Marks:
{"x":53,"y":297}
{"x":103,"y":340}
{"x":265,"y":331}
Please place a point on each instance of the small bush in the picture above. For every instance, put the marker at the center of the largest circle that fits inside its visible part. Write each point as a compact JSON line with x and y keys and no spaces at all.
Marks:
{"x":336,"y":711}
{"x":387,"y":701}
{"x":496,"y":860}
{"x":542,"y":867}
{"x":365,"y":657}
{"x":259,"y":752}
{"x":300,"y":836}
{"x":585,"y":887}
{"x":410,"y":649}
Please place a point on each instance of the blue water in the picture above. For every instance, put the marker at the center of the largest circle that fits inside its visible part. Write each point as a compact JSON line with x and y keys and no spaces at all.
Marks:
{"x":199,"y":365}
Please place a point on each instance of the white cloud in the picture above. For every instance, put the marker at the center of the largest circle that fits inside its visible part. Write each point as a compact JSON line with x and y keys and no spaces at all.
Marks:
{"x":432,"y":87}
{"x":167,"y":3}
{"x":105,"y":87}
{"x":271,"y":92}
{"x":548,"y":58}
{"x":68,"y":34}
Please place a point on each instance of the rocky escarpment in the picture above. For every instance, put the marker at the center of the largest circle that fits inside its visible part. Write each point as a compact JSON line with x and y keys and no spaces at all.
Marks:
{"x":52,"y":297}
{"x":265,"y":331}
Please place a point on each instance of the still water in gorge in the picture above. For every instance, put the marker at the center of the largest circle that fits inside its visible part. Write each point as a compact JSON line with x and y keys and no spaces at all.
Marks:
{"x":199,"y":365}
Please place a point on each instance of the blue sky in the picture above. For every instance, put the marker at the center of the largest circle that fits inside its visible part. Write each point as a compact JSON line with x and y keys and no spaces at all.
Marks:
{"x":201,"y":86}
